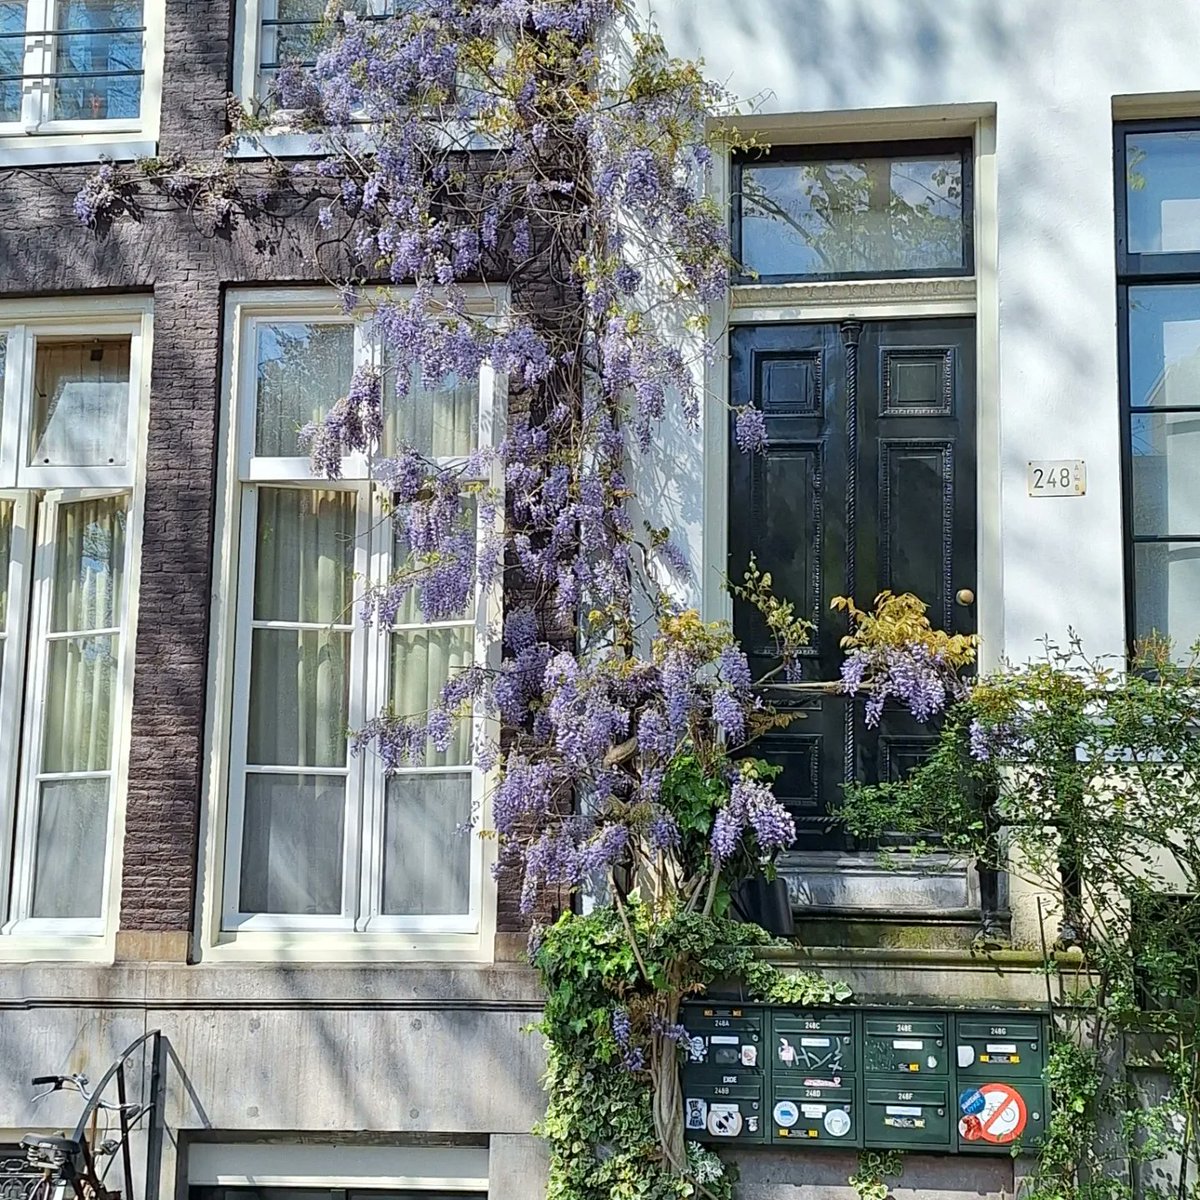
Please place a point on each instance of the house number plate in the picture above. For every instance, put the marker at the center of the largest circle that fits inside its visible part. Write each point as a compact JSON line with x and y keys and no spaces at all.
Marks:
{"x":1057,"y":477}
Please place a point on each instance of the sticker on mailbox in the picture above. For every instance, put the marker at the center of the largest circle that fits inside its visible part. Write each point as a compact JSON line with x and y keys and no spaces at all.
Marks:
{"x":724,"y":1120}
{"x":786,"y":1114}
{"x":1001,"y":1118}
{"x":837,"y":1122}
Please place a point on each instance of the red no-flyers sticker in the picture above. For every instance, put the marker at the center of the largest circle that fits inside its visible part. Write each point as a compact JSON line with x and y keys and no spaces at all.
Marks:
{"x":1003,"y":1117}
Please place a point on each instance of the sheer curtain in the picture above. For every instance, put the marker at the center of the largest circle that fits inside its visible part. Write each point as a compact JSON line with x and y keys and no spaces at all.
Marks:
{"x":426,"y":859}
{"x":427,"y":853}
{"x":82,"y":656}
{"x":293,"y":828}
{"x":303,"y":369}
{"x":6,"y":524}
{"x":81,"y":410}
{"x":442,"y":423}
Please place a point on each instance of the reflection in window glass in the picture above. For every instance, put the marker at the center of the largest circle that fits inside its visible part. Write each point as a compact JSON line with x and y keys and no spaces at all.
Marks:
{"x":1164,"y":346}
{"x":81,"y":402}
{"x":1162,"y":185}
{"x":304,"y":368}
{"x":98,"y":60}
{"x":12,"y":58}
{"x":861,"y":216}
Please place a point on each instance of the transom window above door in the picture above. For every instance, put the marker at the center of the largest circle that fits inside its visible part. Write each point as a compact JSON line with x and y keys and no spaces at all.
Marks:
{"x":870,"y":211}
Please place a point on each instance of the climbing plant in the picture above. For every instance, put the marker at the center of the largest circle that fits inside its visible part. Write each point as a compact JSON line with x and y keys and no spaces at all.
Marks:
{"x":1081,"y":776}
{"x":554,"y":150}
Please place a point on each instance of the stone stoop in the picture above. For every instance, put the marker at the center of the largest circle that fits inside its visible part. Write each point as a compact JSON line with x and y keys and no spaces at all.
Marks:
{"x":865,"y":899}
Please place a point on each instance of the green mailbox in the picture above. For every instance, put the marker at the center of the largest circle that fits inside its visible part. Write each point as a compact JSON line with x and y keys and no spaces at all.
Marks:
{"x":992,"y":1115}
{"x":1004,"y":1046}
{"x":901,"y":1115}
{"x":901,"y":1043}
{"x":724,"y":1035}
{"x":723,"y":1104}
{"x":815,"y":1111}
{"x":813,"y":1042}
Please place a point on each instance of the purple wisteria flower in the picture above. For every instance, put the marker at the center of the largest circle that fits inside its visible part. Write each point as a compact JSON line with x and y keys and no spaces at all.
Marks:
{"x":750,"y":430}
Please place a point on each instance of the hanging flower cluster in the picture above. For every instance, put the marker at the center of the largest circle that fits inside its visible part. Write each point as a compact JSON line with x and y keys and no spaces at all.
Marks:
{"x":894,"y":654}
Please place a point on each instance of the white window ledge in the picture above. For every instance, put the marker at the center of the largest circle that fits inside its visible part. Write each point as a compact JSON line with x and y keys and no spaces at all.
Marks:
{"x":289,"y":143}
{"x":46,"y":151}
{"x":20,"y":948}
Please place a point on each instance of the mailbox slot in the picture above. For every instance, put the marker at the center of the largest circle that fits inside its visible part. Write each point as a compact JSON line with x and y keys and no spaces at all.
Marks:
{"x":723,"y":1105}
{"x":808,"y":1042}
{"x":724,"y":1036}
{"x":901,"y":1116}
{"x":815,"y":1112}
{"x":1000,"y":1048}
{"x":905,"y":1045}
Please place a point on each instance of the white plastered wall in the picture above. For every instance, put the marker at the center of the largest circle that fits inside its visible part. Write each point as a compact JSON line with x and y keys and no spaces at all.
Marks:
{"x":1051,"y":72}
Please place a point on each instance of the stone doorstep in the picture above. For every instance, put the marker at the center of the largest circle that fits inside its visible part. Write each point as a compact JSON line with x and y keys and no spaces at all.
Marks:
{"x":930,"y":884}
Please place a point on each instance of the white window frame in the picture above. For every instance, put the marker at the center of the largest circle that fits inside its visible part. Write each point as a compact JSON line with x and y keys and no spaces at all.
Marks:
{"x":20,"y":919}
{"x":18,"y":417}
{"x":31,"y":575}
{"x":225,"y":933}
{"x":281,"y":139}
{"x":38,"y":137}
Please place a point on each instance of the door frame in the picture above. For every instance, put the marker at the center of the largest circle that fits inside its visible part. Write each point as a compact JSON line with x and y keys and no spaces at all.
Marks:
{"x":871,"y":300}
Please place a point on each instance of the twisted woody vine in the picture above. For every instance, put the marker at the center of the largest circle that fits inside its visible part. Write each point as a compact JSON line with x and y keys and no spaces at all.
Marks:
{"x":554,"y":149}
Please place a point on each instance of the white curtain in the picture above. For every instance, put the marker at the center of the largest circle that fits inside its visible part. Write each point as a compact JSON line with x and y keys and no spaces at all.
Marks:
{"x":303,"y":369}
{"x":440,"y":423}
{"x":426,"y":860}
{"x":422,"y":661}
{"x":81,"y":403}
{"x":6,"y":522}
{"x":299,"y":701}
{"x":292,"y":844}
{"x":81,"y":680}
{"x":427,"y":852}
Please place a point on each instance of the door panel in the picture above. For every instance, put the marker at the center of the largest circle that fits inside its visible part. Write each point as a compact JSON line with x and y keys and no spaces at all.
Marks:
{"x":867,"y":484}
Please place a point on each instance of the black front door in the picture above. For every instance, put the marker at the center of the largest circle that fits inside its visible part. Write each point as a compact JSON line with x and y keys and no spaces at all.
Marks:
{"x":867,"y":484}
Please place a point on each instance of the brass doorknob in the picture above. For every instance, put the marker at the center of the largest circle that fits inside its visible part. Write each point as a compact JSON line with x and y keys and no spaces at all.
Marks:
{"x":965,"y":597}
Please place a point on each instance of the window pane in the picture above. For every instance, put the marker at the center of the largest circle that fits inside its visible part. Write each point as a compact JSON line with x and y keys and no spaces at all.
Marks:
{"x":1167,"y":581}
{"x":422,"y":661}
{"x":1164,"y":346}
{"x":303,"y":369}
{"x":409,"y":612}
{"x":80,"y":690}
{"x":1162,"y":184}
{"x":1166,"y":477}
{"x":98,"y":60}
{"x":299,"y":698}
{"x":290,"y":33}
{"x":304,"y":558}
{"x":439,"y":424}
{"x":12,"y":58}
{"x":427,"y":852}
{"x":89,"y":565}
{"x":853,"y":216}
{"x":81,"y":403}
{"x":72,"y":836}
{"x":6,"y":524}
{"x":292,"y":844}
